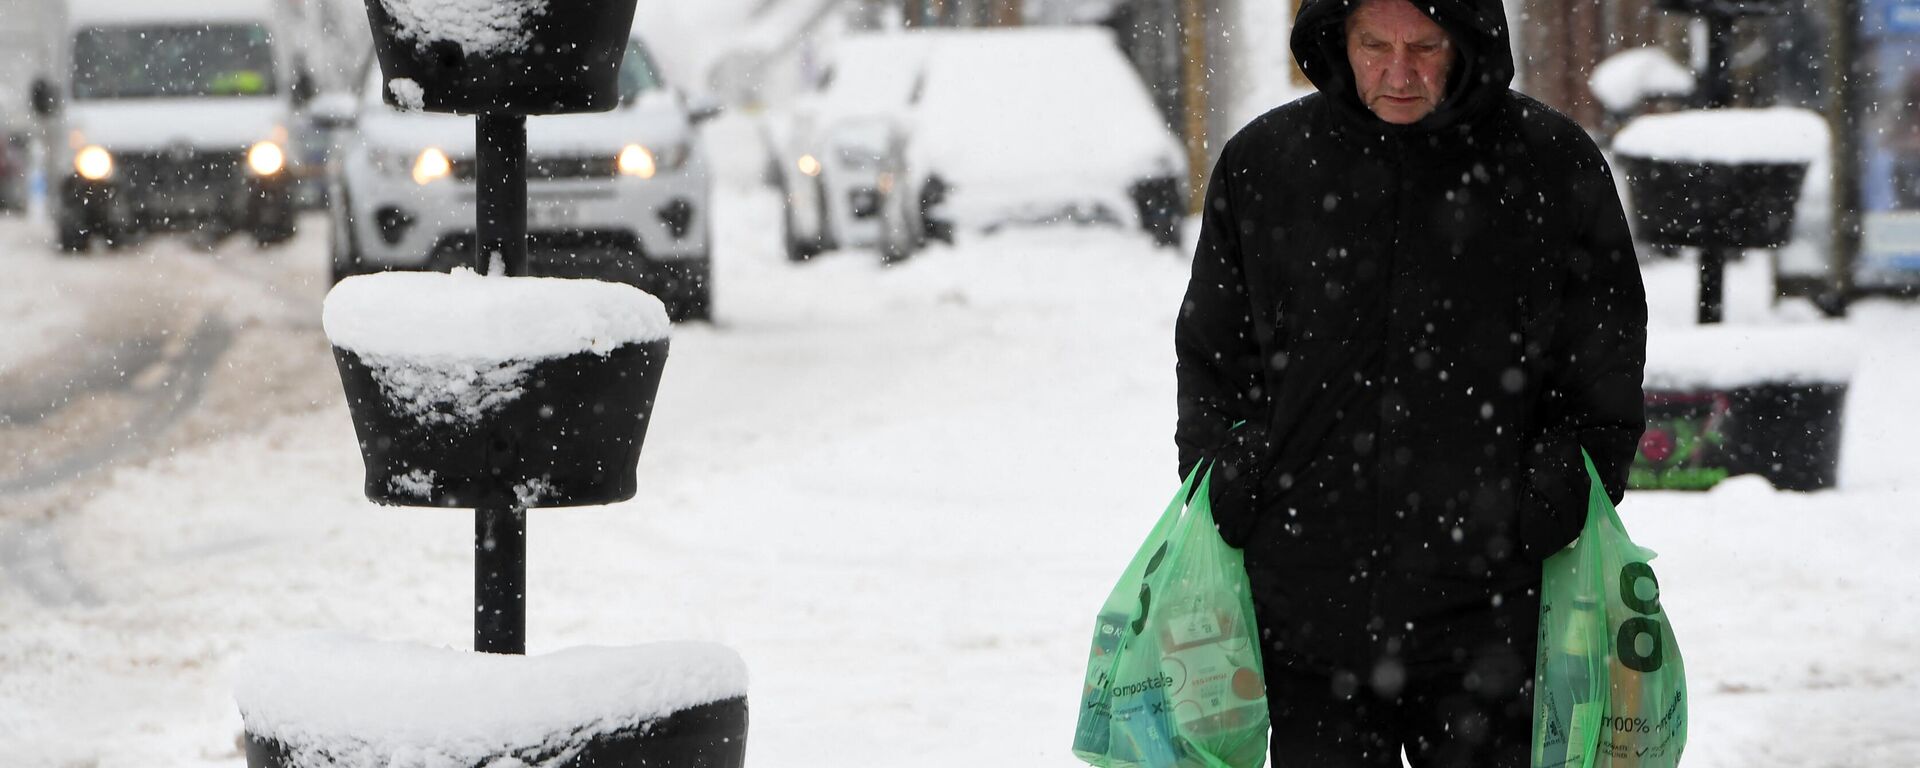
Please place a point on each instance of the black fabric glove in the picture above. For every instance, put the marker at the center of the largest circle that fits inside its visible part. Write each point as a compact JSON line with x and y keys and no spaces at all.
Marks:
{"x":1239,"y":469}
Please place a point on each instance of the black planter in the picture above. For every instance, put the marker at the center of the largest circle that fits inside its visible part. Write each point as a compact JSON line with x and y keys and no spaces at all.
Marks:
{"x":571,"y":438}
{"x":570,"y":62}
{"x":1713,"y":204}
{"x":711,"y":735}
{"x":1788,"y":433}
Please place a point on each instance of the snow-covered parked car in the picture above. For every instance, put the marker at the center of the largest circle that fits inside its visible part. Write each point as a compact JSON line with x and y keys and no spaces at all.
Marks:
{"x":621,"y":195}
{"x":835,"y":153}
{"x":1036,"y":126}
{"x":169,"y":116}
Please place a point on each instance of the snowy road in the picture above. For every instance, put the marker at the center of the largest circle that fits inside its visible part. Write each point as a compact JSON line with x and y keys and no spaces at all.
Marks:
{"x":899,"y":493}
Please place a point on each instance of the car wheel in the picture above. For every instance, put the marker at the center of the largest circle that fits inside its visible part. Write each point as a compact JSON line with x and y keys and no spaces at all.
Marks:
{"x":796,"y":250}
{"x":345,"y":246}
{"x":1165,"y":231}
{"x":73,"y":236}
{"x":689,"y":291}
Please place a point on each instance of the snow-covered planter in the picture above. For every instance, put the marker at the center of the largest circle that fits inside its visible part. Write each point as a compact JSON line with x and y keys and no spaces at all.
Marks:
{"x":1723,"y":177}
{"x":334,"y":701}
{"x":470,"y":391}
{"x":523,"y":57}
{"x":1732,"y":400}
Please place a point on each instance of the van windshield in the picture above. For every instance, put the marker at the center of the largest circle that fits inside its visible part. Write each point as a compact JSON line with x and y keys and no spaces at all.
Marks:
{"x":164,"y":61}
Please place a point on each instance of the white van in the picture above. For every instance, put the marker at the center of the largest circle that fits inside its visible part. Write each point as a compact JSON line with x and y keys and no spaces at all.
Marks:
{"x":169,"y":116}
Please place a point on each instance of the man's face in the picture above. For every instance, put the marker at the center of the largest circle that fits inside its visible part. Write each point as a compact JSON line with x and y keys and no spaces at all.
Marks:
{"x":1400,"y":59}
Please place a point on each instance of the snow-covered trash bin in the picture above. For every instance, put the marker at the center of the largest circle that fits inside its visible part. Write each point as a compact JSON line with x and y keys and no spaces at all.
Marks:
{"x":1734,"y":400}
{"x":470,"y":390}
{"x":1719,"y":178}
{"x":334,"y":701}
{"x":524,"y":57}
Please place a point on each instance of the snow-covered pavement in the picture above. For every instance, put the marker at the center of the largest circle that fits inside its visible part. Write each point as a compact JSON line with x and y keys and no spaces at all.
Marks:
{"x":900,"y":493}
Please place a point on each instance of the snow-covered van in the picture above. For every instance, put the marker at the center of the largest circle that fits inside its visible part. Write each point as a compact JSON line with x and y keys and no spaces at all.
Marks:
{"x":169,"y":116}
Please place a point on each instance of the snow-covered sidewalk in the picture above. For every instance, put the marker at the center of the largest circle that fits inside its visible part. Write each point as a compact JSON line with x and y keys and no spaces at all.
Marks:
{"x":900,"y":494}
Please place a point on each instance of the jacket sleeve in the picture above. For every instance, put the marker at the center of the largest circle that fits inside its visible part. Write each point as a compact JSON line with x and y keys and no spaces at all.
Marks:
{"x":1217,"y":356}
{"x":1592,"y":398}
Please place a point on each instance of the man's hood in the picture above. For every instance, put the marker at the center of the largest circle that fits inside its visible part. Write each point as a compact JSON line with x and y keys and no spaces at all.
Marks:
{"x":1481,"y":74}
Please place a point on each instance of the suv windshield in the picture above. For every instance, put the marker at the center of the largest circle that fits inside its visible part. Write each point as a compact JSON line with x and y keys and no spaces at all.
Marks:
{"x":636,"y":72}
{"x":145,"y":62}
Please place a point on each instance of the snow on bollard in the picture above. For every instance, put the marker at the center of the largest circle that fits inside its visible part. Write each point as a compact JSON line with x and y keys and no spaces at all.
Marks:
{"x":1726,"y":400}
{"x":522,"y":392}
{"x":334,"y":700}
{"x":522,"y":57}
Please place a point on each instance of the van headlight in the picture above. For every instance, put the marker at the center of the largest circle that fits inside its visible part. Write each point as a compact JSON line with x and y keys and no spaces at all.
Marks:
{"x":430,"y":166}
{"x":266,"y":159}
{"x":93,"y":163}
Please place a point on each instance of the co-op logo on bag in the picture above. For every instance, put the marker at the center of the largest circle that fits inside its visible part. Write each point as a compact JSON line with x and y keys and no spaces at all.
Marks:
{"x":1627,"y":644}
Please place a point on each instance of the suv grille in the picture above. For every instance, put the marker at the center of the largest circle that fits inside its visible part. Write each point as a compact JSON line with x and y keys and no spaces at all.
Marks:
{"x":552,"y":167}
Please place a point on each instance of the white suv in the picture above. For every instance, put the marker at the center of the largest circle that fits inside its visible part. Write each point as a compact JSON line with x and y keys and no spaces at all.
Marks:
{"x":620,"y":195}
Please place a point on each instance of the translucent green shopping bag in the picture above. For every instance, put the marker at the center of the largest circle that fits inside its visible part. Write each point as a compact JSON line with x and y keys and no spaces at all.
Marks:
{"x":1174,"y":679}
{"x":1610,"y":690}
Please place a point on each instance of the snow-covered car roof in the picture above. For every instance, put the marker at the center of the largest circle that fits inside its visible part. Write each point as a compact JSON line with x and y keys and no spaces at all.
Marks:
{"x":1011,"y":111}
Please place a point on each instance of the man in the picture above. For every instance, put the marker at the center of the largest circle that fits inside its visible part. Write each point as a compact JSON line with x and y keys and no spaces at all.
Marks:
{"x":1417,"y":290}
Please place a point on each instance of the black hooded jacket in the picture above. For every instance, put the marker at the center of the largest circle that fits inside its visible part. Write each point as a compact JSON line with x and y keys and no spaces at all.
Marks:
{"x":1425,"y":324}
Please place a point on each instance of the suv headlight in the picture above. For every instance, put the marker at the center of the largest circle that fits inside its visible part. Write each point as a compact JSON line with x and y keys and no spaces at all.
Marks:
{"x":93,"y":163}
{"x":266,"y":159}
{"x":430,"y":166}
{"x":642,"y":161}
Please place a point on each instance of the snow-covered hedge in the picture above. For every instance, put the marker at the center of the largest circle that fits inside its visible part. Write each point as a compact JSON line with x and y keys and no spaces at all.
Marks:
{"x":334,"y":699}
{"x":1730,"y":356}
{"x":1728,"y":136}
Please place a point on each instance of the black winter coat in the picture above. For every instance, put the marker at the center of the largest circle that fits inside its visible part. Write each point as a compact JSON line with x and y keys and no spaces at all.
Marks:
{"x":1429,"y":322}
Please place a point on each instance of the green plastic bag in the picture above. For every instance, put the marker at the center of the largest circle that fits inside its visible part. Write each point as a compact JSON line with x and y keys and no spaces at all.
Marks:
{"x":1610,"y":689}
{"x":1174,"y":678}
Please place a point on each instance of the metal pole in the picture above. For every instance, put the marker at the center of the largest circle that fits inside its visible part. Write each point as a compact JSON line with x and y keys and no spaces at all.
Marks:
{"x":500,"y":532}
{"x":501,"y":204}
{"x":1843,"y":111}
{"x":500,"y":580}
{"x":1713,"y":270}
{"x":1718,"y":79}
{"x":1718,"y":92}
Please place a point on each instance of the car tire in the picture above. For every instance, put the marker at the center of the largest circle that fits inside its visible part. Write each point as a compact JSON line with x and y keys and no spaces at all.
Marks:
{"x":345,"y":246}
{"x":1165,"y":231}
{"x":691,"y":306}
{"x":73,"y":238}
{"x":796,"y":250}
{"x":688,"y":290}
